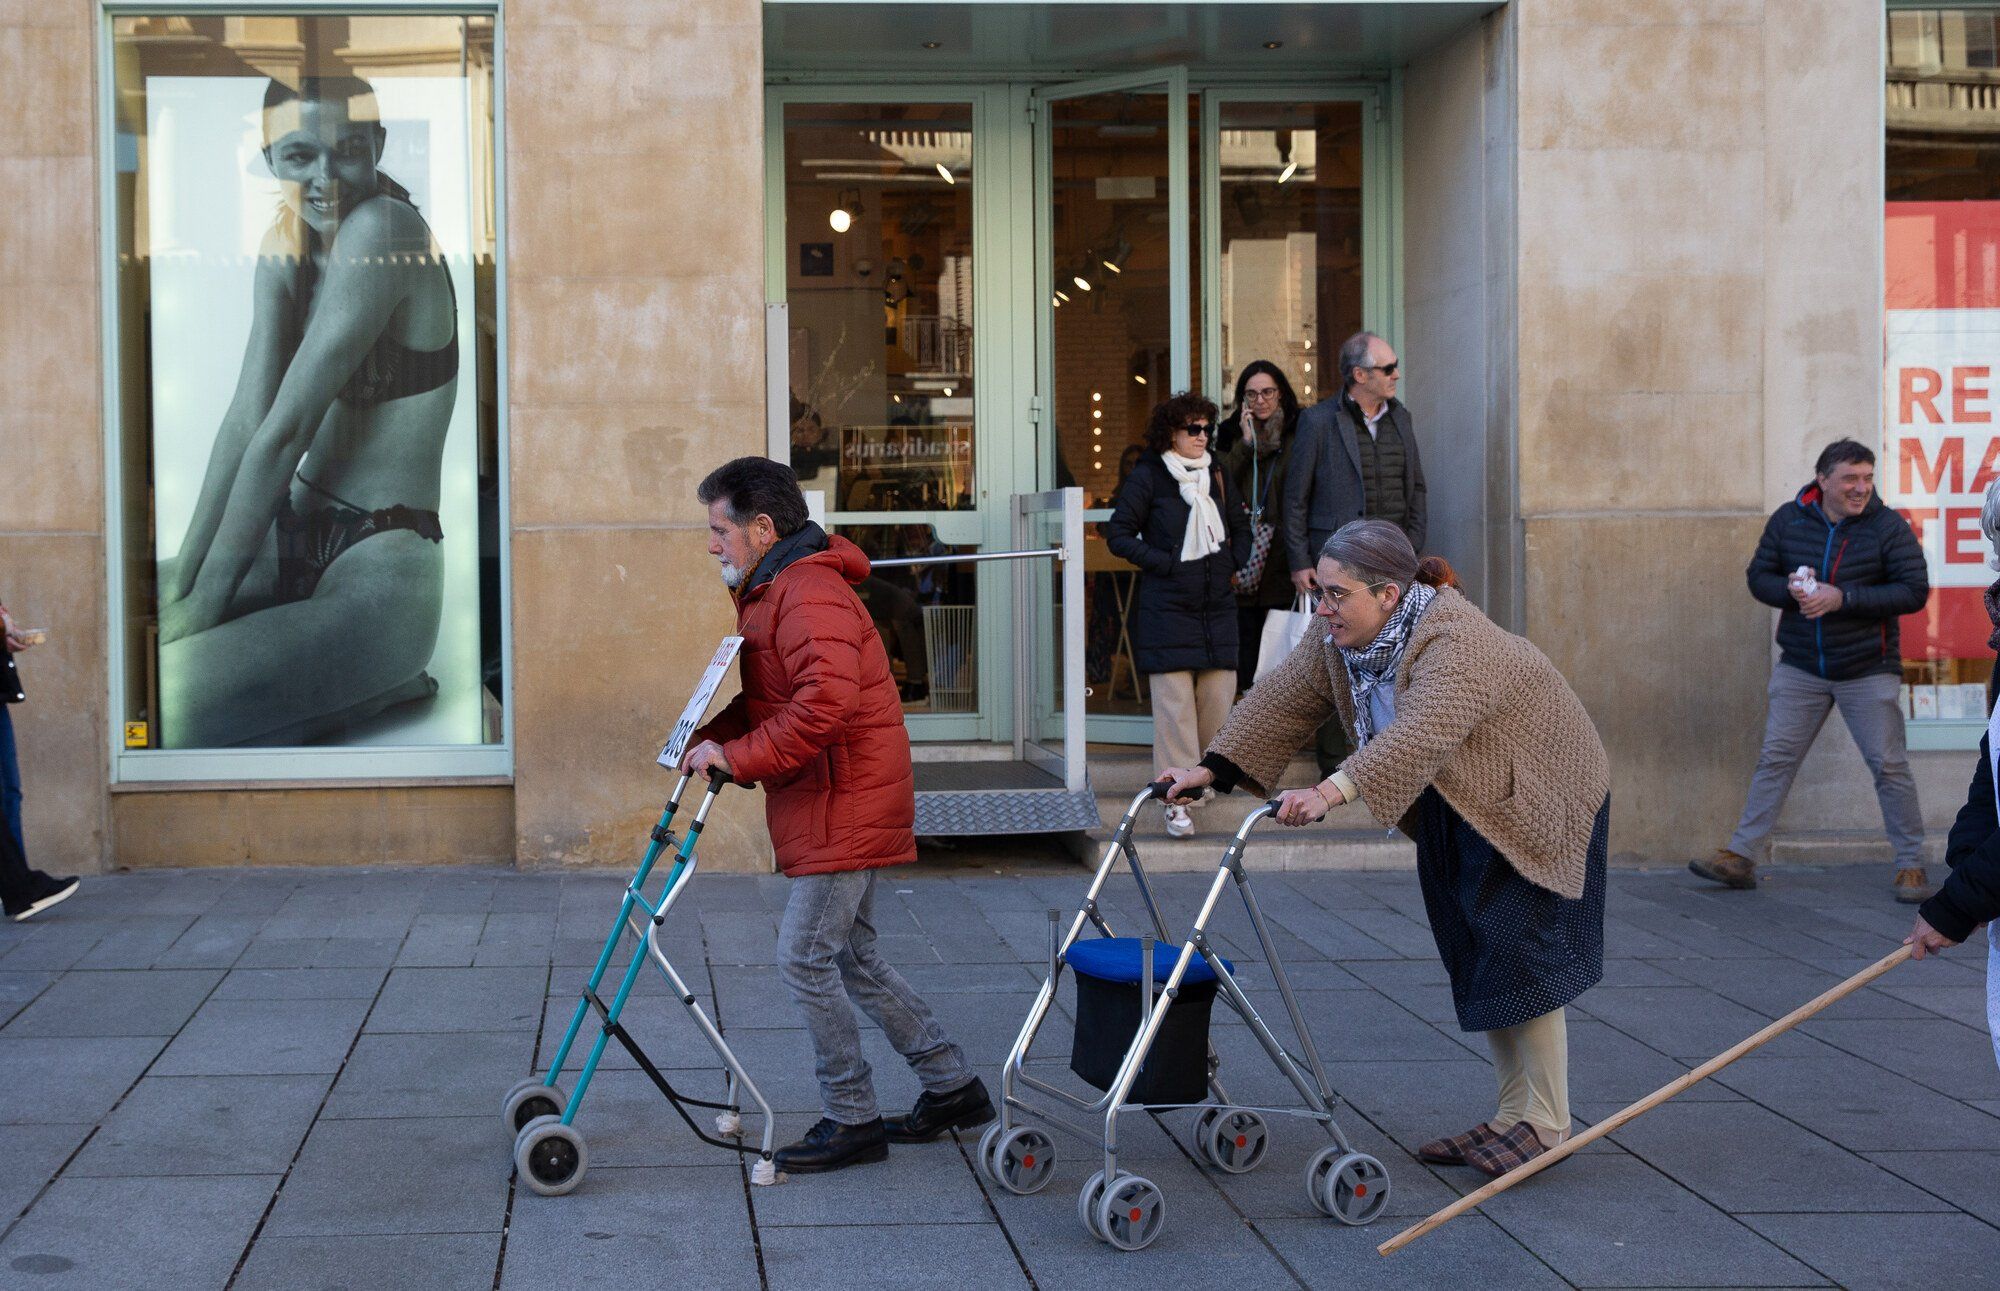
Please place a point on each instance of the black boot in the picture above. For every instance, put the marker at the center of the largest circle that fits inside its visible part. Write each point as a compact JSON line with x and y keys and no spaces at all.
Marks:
{"x":830,"y":1145}
{"x":961,"y":1109}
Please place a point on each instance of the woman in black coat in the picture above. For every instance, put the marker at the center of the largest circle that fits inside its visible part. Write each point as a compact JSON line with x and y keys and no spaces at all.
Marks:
{"x":1177,"y":519}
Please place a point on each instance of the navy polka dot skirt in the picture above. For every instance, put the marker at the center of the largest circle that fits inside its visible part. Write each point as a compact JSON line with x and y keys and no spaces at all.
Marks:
{"x":1514,"y":950}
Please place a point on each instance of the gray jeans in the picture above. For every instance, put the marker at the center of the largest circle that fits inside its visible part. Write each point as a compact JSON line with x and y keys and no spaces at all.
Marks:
{"x":826,"y":954}
{"x":1799,"y":705}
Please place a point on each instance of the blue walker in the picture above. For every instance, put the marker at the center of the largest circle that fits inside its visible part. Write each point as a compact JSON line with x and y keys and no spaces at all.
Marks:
{"x":549,"y":1151}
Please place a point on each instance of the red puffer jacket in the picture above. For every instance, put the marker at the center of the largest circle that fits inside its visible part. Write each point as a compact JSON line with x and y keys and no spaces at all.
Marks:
{"x":818,"y":722}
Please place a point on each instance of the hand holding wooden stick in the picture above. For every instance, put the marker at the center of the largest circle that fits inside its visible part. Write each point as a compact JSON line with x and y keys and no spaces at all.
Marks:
{"x":1646,"y":1104}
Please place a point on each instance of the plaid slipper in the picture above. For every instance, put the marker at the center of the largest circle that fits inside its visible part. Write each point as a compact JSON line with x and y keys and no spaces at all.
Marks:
{"x":1516,"y":1147}
{"x":1452,"y":1149}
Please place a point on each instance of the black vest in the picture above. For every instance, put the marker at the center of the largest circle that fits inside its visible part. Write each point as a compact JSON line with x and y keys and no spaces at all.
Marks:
{"x":1383,"y":465}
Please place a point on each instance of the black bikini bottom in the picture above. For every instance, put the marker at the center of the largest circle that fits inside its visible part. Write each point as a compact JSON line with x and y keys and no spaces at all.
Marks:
{"x":310,"y":541}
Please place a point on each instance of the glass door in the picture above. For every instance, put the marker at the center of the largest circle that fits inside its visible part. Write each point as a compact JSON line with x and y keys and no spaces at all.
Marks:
{"x":871,"y":252}
{"x":1115,"y":337}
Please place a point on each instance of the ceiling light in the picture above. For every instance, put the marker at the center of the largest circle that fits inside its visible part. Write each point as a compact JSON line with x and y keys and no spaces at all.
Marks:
{"x":944,"y":171}
{"x":1291,"y":169}
{"x":1112,"y":267}
{"x":933,"y":44}
{"x":1136,"y":377}
{"x":1058,"y":302}
{"x":1096,"y":396}
{"x":1082,"y":283}
{"x":845,"y":208}
{"x":840,"y":220}
{"x":1274,"y":44}
{"x":1061,"y":294}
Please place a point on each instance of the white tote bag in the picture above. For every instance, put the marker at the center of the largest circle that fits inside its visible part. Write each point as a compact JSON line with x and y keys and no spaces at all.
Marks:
{"x":1283,"y":630}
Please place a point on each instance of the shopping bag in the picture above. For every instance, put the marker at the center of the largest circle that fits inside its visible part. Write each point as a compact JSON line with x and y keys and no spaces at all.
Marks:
{"x":1283,"y":630}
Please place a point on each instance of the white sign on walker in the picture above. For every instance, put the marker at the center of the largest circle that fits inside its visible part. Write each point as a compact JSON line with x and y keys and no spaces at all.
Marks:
{"x":711,"y":681}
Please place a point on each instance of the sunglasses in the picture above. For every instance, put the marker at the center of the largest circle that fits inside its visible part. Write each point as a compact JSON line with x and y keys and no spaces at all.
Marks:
{"x":1387,"y":369}
{"x":1195,"y":428}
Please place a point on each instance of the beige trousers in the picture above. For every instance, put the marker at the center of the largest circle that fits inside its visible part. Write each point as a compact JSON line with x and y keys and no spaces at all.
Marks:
{"x":1188,"y":709}
{"x":1532,"y":1061}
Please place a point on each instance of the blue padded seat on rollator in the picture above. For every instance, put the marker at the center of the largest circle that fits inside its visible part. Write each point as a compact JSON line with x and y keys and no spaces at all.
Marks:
{"x":1110,"y":972}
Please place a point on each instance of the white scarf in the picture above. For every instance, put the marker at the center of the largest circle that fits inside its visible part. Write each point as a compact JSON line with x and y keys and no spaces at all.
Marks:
{"x":1204,"y":529}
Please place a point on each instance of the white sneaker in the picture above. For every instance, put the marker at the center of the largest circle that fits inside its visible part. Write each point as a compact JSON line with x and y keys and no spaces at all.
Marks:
{"x":1179,"y":823}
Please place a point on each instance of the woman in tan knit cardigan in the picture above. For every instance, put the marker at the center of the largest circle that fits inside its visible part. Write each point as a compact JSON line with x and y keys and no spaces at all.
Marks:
{"x":1470,"y":741}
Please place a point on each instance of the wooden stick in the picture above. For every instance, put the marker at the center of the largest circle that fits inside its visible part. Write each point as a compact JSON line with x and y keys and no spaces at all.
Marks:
{"x":1646,"y":1104}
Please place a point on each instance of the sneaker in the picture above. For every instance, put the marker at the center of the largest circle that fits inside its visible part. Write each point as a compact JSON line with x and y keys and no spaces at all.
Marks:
{"x":1912,"y":886}
{"x":830,"y":1145}
{"x":46,"y":892}
{"x":961,"y":1109}
{"x":1180,"y":824}
{"x":1728,"y":869}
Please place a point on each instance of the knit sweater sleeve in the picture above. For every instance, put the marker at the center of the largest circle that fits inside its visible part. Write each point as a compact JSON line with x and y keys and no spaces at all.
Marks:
{"x":1278,"y":716}
{"x":1446,"y":698}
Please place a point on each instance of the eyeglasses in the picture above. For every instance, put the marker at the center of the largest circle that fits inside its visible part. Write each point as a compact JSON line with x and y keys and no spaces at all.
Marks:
{"x":1333,"y":596}
{"x":1195,"y":428}
{"x":1261,"y":395}
{"x":1386,"y":369}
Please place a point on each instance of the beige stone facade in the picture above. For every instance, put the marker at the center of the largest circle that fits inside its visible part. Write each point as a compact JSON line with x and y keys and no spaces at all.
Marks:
{"x":1642,"y":245}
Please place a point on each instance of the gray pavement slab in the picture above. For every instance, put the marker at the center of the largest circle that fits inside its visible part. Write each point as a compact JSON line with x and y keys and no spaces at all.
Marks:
{"x":425,"y":1262}
{"x":33,"y":1154}
{"x":637,"y":1227}
{"x":411,"y":1175}
{"x":193,"y":1234}
{"x":264,"y":1038}
{"x":1967,"y":1180}
{"x":19,"y":990}
{"x":116,"y":1004}
{"x":460,"y":999}
{"x":461,"y":1074}
{"x":301,"y":984}
{"x":71,"y":1078}
{"x":1869,"y":1252}
{"x":936,"y":1257}
{"x":1470,"y":1252}
{"x":173,"y":1126}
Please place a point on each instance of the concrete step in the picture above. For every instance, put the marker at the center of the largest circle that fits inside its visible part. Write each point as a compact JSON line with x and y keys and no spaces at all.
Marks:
{"x":1123,"y":770}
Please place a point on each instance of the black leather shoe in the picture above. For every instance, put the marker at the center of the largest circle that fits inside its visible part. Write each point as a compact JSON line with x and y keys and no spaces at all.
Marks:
{"x":830,"y":1145}
{"x":961,"y":1109}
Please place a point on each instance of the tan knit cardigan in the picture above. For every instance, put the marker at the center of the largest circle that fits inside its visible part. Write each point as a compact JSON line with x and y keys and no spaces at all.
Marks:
{"x":1480,"y":713}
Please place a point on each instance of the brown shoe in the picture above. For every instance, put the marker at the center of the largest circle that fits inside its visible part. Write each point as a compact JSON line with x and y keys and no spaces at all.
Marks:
{"x":1728,"y":869}
{"x":1508,"y":1151}
{"x":1912,"y":886}
{"x":1451,"y":1149}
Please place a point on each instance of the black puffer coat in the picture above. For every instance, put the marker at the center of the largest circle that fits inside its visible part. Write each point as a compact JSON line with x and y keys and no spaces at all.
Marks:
{"x":1873,"y":559}
{"x":1971,"y":896}
{"x":1184,"y":616}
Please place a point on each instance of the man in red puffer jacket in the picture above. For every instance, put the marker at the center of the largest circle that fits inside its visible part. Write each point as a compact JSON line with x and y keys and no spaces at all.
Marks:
{"x":819,"y":724}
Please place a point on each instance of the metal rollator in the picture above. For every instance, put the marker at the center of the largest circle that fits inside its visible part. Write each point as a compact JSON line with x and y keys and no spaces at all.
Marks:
{"x":1125,"y":1209}
{"x":549,"y":1151}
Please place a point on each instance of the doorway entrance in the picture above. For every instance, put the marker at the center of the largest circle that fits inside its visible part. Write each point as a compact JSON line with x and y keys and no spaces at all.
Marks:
{"x":979,"y":290}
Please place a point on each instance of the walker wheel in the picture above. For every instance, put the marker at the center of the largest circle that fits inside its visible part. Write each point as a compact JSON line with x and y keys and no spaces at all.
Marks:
{"x":1131,"y":1212}
{"x":1352,"y":1187}
{"x":529,"y":1100}
{"x":983,"y":1158}
{"x":550,"y":1156}
{"x":1232,"y":1140}
{"x":1024,"y":1160}
{"x":1086,"y":1203}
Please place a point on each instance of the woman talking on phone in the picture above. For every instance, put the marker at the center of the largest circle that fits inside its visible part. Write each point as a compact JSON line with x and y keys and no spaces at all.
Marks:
{"x":308,"y":589}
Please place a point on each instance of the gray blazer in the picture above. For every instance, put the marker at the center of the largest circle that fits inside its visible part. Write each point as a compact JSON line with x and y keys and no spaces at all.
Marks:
{"x":1323,"y":480}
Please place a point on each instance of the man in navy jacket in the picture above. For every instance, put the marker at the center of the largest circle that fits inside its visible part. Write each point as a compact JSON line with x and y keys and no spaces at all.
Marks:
{"x":1842,"y":568}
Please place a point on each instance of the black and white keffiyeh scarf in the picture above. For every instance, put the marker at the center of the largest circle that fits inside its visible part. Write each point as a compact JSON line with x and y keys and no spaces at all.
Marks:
{"x":1375,"y":664}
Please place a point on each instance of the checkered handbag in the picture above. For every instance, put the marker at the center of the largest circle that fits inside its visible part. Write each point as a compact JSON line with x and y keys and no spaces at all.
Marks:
{"x":1246,"y":578}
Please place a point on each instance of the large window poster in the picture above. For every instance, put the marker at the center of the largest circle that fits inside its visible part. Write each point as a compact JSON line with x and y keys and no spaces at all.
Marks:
{"x":1941,"y":443}
{"x":306,"y":312}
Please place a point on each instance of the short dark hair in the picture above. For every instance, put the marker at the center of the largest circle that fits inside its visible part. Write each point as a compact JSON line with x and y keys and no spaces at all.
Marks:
{"x":1173,"y":415}
{"x":1840,"y":452}
{"x":752,"y":486}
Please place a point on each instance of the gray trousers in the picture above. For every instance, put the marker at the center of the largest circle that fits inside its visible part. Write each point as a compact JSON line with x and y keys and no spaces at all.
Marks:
{"x":1874,"y":715}
{"x":826,"y":954}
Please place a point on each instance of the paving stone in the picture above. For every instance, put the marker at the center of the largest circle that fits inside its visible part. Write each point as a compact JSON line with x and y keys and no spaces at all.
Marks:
{"x":62,"y":1079}
{"x":280,"y":952}
{"x":202,"y":1125}
{"x":633,"y":1227}
{"x":1964,"y":1179}
{"x":116,"y":1003}
{"x":441,"y":941}
{"x":1366,"y":1023}
{"x":921,"y":1183}
{"x":1743,"y":1158}
{"x":301,"y":984}
{"x":1858,"y":1105}
{"x":33,"y":1154}
{"x":212,"y":941}
{"x":1867,"y":1252}
{"x":428,"y":1262}
{"x":1774,"y":987}
{"x":460,"y":999}
{"x":461,"y":1074}
{"x":356,"y":952}
{"x":1606,"y":1064}
{"x":19,"y":990}
{"x":264,"y":1037}
{"x":413,"y":1175}
{"x":1603,"y":1220}
{"x":1687,"y":1022}
{"x":139,"y":942}
{"x":55,"y":946}
{"x":947,"y":1257}
{"x":1469,"y":1252}
{"x":1963,"y":1004}
{"x":193,"y":1232}
{"x":1934,"y":1052}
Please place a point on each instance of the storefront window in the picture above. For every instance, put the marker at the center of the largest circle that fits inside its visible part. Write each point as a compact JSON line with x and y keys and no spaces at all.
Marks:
{"x":1942,"y":337}
{"x":309,"y":452}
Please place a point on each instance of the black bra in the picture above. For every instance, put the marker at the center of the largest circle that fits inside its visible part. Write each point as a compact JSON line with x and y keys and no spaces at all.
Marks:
{"x":390,"y":369}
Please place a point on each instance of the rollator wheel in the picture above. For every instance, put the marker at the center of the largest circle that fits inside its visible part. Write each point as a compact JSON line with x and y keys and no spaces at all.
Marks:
{"x":1233,"y":1140}
{"x":1352,"y":1187}
{"x":1024,"y":1160}
{"x":1131,"y":1212}
{"x":550,"y":1156}
{"x":1087,"y":1198}
{"x":983,"y":1158}
{"x":528,"y":1101}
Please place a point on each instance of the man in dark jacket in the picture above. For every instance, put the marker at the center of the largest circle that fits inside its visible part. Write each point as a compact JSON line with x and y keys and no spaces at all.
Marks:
{"x":1354,"y":458}
{"x":1971,"y":894}
{"x":1842,"y":568}
{"x":819,"y":724}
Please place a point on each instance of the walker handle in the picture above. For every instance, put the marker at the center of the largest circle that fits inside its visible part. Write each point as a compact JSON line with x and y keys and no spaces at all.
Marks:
{"x":717,"y":778}
{"x":1159,"y":788}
